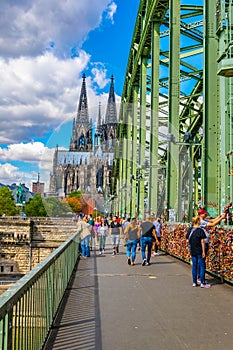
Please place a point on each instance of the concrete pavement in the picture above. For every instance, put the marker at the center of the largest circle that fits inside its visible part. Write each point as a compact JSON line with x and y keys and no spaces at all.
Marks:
{"x":113,"y":306}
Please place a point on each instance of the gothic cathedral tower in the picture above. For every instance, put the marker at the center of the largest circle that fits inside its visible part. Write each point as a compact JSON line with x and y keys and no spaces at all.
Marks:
{"x":81,"y":139}
{"x":87,"y":165}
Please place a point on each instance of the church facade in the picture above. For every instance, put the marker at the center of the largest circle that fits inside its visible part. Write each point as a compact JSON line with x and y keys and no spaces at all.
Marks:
{"x":87,"y":165}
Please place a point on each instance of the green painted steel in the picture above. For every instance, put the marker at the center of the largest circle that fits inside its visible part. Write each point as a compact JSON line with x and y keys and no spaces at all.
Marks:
{"x":173,"y":168}
{"x":179,"y":80}
{"x":134,"y":152}
{"x":225,"y":70}
{"x":142,"y":138}
{"x":154,"y":142}
{"x":28,"y":308}
{"x":211,"y":122}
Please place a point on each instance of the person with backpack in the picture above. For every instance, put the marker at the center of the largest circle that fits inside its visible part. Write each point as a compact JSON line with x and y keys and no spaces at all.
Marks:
{"x":196,"y":238}
{"x":148,"y":233}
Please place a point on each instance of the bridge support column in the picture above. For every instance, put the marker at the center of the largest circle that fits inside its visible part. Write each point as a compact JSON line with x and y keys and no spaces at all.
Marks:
{"x":211,"y":119}
{"x":153,"y":174}
{"x":173,"y":178}
{"x":142,"y":136}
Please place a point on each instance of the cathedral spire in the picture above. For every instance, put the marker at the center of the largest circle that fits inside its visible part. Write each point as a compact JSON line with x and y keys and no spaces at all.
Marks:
{"x":82,"y":114}
{"x":111,"y":112}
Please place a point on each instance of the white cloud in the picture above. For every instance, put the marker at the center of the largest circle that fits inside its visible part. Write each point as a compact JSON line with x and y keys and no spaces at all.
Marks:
{"x":111,"y":11}
{"x":34,"y":152}
{"x":29,"y":27}
{"x":40,"y":83}
{"x":26,"y":152}
{"x":37,"y":94}
{"x":10,"y":174}
{"x":100,"y":77}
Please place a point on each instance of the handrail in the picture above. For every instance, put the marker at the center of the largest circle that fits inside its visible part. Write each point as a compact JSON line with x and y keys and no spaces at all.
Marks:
{"x":27,"y":309}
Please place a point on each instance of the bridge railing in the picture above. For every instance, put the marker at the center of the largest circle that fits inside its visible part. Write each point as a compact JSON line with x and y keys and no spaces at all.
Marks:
{"x":28,"y":308}
{"x":219,"y":260}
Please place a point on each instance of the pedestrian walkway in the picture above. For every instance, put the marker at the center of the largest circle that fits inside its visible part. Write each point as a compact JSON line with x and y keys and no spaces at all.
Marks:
{"x":113,"y":306}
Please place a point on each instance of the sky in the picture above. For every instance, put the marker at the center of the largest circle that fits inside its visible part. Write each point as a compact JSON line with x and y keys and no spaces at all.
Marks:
{"x":45,"y":47}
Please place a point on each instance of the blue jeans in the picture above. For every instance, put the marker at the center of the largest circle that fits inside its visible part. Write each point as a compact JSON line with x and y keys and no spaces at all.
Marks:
{"x":197,"y":260}
{"x":131,"y":245}
{"x":146,"y":242}
{"x":102,"y":240}
{"x":85,"y":246}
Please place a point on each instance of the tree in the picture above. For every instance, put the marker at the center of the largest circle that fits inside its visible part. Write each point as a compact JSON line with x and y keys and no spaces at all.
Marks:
{"x":35,"y":207}
{"x":51,"y":206}
{"x":76,"y":194}
{"x":7,"y":203}
{"x":74,"y":203}
{"x":56,"y":207}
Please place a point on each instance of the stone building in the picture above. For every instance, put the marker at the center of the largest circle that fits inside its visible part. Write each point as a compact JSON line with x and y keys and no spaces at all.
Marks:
{"x":87,"y":165}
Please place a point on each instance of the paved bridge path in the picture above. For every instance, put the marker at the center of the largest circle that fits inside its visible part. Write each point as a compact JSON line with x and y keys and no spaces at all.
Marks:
{"x":110,"y":305}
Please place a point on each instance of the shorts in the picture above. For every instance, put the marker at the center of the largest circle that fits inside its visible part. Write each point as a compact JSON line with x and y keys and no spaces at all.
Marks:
{"x":115,"y":240}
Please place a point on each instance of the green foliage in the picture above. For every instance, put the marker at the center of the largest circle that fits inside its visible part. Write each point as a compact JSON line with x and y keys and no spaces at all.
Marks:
{"x":77,"y":194}
{"x":55,"y":207}
{"x":35,"y":207}
{"x":7,"y":203}
{"x":51,"y":206}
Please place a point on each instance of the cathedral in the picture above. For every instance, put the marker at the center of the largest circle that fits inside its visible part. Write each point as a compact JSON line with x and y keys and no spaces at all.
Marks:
{"x":87,"y":165}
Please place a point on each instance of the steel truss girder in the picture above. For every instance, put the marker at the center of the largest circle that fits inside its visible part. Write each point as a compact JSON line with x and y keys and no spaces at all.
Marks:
{"x":191,"y":115}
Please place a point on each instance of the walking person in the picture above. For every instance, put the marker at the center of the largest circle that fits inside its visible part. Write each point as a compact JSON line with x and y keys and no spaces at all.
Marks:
{"x":148,"y":232}
{"x":116,"y":232}
{"x":131,"y":237}
{"x":91,"y":222}
{"x":85,"y":236}
{"x":102,"y":233}
{"x":158,"y":227}
{"x":196,"y":238}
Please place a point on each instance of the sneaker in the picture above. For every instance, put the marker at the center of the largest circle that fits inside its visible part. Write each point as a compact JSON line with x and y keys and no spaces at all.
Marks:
{"x":157,"y":254}
{"x":129,"y":261}
{"x":114,"y":253}
{"x":148,"y":263}
{"x":153,"y":254}
{"x":144,"y":262}
{"x":205,"y":285}
{"x":100,"y":253}
{"x":194,"y":285}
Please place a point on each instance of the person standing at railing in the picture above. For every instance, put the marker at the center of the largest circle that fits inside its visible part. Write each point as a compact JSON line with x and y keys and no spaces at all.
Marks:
{"x":205,"y":224}
{"x":196,"y":239}
{"x":85,"y":236}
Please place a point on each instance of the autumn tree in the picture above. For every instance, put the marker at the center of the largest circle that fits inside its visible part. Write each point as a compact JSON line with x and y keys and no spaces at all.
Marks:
{"x":74,"y":203}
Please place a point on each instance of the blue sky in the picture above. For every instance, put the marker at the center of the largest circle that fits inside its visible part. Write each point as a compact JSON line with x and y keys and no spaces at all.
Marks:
{"x":45,"y":46}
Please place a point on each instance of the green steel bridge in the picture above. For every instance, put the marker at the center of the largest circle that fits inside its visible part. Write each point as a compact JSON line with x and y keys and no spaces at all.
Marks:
{"x":174,"y":152}
{"x":174,"y":149}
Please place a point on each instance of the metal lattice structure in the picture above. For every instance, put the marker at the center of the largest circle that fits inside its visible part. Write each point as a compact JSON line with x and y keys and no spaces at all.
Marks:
{"x":174,"y":143}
